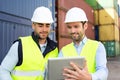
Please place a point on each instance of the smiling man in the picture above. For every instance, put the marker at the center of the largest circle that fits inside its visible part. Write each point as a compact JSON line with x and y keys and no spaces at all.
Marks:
{"x":27,"y":57}
{"x":94,"y":52}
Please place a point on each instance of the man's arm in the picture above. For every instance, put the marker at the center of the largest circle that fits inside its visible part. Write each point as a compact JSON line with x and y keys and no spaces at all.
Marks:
{"x":9,"y":62}
{"x":101,"y":61}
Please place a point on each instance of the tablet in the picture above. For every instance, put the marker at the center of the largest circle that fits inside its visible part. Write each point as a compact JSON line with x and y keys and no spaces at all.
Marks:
{"x":56,"y":65}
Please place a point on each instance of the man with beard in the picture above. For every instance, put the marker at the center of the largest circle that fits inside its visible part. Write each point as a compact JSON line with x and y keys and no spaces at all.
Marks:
{"x":94,"y":52}
{"x":27,"y":57}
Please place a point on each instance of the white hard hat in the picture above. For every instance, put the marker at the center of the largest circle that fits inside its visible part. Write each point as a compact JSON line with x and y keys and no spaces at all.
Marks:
{"x":42,"y":15}
{"x":75,"y":14}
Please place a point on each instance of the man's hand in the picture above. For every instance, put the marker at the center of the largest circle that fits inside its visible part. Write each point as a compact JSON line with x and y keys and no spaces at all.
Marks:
{"x":77,"y":73}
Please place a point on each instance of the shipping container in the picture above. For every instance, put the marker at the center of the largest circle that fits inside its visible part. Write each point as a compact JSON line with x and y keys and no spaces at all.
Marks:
{"x":96,"y":28}
{"x":93,"y":3}
{"x":15,"y":20}
{"x":108,"y":4}
{"x":108,"y":16}
{"x":96,"y":17}
{"x":62,"y":7}
{"x":23,"y":8}
{"x":109,"y":33}
{"x":119,"y":22}
{"x":119,"y":10}
{"x":9,"y":32}
{"x":112,"y":48}
{"x":90,"y":32}
{"x":101,"y":4}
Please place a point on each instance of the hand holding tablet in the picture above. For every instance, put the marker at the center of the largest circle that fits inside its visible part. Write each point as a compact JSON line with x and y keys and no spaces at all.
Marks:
{"x":56,"y":66}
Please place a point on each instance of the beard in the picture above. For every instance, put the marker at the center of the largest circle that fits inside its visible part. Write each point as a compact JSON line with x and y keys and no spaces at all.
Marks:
{"x":38,"y":36}
{"x":76,"y":37}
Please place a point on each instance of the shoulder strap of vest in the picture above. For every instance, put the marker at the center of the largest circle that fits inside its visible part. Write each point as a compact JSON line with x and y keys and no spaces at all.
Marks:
{"x":20,"y":55}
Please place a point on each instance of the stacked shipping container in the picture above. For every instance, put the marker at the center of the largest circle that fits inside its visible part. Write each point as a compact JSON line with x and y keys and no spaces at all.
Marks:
{"x":106,"y":19}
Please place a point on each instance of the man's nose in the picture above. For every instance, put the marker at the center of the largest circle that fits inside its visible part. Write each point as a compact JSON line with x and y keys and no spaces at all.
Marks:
{"x":73,"y":30}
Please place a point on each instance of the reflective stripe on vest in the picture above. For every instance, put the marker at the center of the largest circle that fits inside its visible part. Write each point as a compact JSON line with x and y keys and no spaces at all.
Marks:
{"x":27,"y":73}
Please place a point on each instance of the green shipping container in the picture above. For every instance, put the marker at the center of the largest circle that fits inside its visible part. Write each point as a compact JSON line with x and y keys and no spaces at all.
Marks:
{"x":92,"y":3}
{"x":101,"y":4}
{"x":112,"y":48}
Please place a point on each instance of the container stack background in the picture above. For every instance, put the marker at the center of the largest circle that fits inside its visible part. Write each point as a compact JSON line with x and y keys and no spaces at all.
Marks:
{"x":106,"y":14}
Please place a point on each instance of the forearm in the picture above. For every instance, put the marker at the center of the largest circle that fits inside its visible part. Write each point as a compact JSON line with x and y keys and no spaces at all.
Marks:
{"x":9,"y":62}
{"x":101,"y":61}
{"x":4,"y":74}
{"x":100,"y":74}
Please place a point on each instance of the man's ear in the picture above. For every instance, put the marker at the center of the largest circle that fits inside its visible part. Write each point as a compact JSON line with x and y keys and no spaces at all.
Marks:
{"x":33,"y":26}
{"x":85,"y":26}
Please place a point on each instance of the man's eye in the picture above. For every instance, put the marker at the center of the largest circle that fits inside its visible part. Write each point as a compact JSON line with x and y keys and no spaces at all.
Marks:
{"x":48,"y":26}
{"x":69,"y":27}
{"x":76,"y":26}
{"x":40,"y":26}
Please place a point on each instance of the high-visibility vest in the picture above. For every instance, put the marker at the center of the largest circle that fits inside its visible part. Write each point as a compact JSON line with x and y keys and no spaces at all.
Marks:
{"x":33,"y":64}
{"x":88,"y":51}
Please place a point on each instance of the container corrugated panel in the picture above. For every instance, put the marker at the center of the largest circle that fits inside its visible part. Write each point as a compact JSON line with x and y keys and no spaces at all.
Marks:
{"x":112,"y":48}
{"x":9,"y":32}
{"x":53,"y":26}
{"x":96,"y":17}
{"x":90,"y":31}
{"x":23,"y":8}
{"x":108,"y":33}
{"x":63,"y":6}
{"x":96,"y":29}
{"x":119,"y":22}
{"x":108,"y":16}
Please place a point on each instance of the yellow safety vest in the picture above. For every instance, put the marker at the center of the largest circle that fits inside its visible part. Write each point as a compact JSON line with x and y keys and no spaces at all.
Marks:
{"x":88,"y":51}
{"x":33,"y":65}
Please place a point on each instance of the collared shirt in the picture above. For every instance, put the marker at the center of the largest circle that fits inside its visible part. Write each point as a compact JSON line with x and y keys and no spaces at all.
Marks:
{"x":43,"y":46}
{"x":101,"y":61}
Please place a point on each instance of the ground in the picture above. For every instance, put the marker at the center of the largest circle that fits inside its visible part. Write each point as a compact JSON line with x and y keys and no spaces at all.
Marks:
{"x":114,"y":68}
